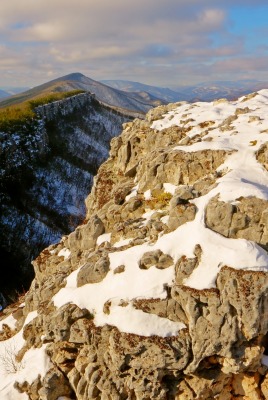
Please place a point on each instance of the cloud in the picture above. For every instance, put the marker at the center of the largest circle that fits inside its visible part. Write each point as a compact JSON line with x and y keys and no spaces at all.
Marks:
{"x":142,"y":40}
{"x":243,"y":64}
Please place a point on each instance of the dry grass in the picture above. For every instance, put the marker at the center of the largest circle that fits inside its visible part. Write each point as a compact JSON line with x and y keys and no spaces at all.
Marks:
{"x":159,"y":200}
{"x":16,"y":116}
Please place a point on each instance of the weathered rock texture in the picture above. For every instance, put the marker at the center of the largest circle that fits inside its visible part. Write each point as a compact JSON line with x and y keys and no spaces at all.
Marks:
{"x":218,"y":353}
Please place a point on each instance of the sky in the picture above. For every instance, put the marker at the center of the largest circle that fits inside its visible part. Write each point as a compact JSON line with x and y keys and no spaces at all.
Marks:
{"x":163,"y":43}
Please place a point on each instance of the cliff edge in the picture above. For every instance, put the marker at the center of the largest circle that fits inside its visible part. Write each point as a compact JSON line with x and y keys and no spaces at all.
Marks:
{"x":162,"y":293}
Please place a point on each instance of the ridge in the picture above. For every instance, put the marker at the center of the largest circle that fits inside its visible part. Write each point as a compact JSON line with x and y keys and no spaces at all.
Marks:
{"x":162,"y":291}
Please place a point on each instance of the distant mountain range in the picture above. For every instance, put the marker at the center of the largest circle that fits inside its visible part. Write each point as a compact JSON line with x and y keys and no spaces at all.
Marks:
{"x":231,"y":90}
{"x":165,"y":94}
{"x":134,"y":96}
{"x":8,"y":91}
{"x":206,"y":91}
{"x":4,"y":94}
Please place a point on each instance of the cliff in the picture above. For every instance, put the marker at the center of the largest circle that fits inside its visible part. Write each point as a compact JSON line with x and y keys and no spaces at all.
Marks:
{"x":47,"y":169}
{"x":162,"y":292}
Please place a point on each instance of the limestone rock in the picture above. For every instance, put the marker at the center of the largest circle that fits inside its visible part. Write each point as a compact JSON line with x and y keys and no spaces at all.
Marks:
{"x":95,"y":270}
{"x":54,"y":385}
{"x":155,"y":258}
{"x":149,"y":251}
{"x":262,"y":155}
{"x":247,"y":219}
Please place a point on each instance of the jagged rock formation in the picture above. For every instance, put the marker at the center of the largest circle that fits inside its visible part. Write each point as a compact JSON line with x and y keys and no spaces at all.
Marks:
{"x":162,"y":292}
{"x":47,"y":170}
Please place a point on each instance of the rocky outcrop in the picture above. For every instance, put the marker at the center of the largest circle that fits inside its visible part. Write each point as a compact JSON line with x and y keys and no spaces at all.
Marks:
{"x":45,"y":182}
{"x":162,"y":292}
{"x":247,"y":219}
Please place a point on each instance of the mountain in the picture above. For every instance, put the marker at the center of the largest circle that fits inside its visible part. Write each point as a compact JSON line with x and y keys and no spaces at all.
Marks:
{"x":165,"y":94}
{"x":3,"y":94}
{"x":48,"y":163}
{"x":161,"y":292}
{"x":136,"y":96}
{"x":11,"y":90}
{"x":204,"y":91}
{"x":209,"y":91}
{"x":110,"y":96}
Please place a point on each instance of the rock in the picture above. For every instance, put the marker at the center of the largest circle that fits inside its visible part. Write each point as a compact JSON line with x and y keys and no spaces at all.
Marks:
{"x":262,"y":155}
{"x":119,"y":269}
{"x":95,"y":269}
{"x":54,"y":385}
{"x":180,"y":214}
{"x":247,"y":386}
{"x":63,"y":354}
{"x":177,"y":167}
{"x":120,"y":192}
{"x":264,"y":387}
{"x":205,"y":343}
{"x":248,"y":219}
{"x":155,"y":258}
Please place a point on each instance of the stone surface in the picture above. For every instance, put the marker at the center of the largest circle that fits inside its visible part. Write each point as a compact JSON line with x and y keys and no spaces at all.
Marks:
{"x":145,"y":190}
{"x":247,"y":219}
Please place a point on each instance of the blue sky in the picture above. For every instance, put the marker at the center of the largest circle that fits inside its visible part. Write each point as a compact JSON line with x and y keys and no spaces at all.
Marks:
{"x":171,"y":43}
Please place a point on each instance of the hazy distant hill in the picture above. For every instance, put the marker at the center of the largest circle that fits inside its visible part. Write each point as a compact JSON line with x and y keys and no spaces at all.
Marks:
{"x":208,"y":91}
{"x":3,"y":94}
{"x":162,"y":93}
{"x":7,"y":91}
{"x":108,"y":95}
{"x":205,"y":91}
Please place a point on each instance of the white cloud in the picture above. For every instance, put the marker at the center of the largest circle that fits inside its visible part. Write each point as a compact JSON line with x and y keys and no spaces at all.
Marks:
{"x":116,"y":39}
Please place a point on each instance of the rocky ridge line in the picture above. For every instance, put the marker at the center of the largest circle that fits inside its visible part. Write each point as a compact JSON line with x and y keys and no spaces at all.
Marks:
{"x":162,"y":293}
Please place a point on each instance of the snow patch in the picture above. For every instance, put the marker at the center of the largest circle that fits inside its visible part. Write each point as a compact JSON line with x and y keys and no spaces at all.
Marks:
{"x":35,"y":362}
{"x":10,"y":321}
{"x":64,"y":253}
{"x":105,"y":237}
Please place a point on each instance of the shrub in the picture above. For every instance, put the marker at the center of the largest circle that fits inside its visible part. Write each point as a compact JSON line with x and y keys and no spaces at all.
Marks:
{"x":14,"y":117}
{"x":40,"y":101}
{"x":9,"y":358}
{"x":159,"y":200}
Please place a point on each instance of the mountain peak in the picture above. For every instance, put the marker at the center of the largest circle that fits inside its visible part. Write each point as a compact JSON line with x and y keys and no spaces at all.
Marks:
{"x":74,"y":76}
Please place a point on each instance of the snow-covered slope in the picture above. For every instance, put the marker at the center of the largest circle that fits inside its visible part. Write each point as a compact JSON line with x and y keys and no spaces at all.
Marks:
{"x":242,"y":176}
{"x":162,"y":292}
{"x":46,"y":172}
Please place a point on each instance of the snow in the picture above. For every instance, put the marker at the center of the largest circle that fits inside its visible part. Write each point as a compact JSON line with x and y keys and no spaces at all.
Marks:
{"x":35,"y":362}
{"x":64,"y":253}
{"x":147,"y":195}
{"x":169,"y":188}
{"x":245,"y":177}
{"x":112,"y":301}
{"x":106,"y":237}
{"x":10,"y":321}
{"x":147,"y":216}
{"x":132,"y":284}
{"x":133,"y":193}
{"x":241,"y":175}
{"x":122,"y":242}
{"x":64,"y":398}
